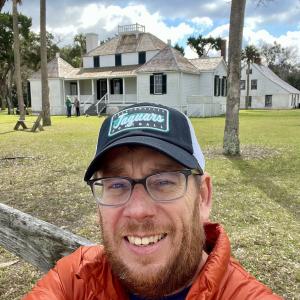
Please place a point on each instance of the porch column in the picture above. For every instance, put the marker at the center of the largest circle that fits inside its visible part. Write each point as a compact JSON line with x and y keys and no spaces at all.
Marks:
{"x":78,"y":90}
{"x":124,"y":93}
{"x":93,"y":91}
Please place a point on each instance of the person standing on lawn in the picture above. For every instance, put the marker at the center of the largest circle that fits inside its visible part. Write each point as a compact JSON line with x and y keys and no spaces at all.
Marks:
{"x":69,"y":106}
{"x":77,"y":106}
{"x":154,"y":200}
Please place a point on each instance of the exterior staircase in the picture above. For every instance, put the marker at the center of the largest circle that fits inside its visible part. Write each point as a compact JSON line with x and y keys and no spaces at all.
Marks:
{"x":92,"y":110}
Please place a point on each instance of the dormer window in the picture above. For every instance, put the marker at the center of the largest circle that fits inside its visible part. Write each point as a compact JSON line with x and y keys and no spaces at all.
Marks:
{"x":118,"y":60}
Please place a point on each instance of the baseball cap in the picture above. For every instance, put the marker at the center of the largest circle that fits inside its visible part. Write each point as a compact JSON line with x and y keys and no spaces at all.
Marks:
{"x":156,"y":126}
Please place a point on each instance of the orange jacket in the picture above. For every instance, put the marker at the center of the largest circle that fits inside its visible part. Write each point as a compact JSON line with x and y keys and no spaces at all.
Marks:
{"x":86,"y":275}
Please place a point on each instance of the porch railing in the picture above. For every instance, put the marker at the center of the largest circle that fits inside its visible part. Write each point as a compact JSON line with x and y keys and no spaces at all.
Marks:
{"x":100,"y":105}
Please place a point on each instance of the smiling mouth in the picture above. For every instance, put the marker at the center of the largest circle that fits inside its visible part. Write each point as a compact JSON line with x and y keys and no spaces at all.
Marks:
{"x":146,"y":240}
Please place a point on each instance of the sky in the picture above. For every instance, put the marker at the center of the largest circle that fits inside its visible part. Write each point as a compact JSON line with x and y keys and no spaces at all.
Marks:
{"x":275,"y":20}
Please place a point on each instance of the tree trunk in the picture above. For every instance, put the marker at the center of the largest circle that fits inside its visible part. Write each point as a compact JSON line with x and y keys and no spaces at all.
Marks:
{"x":17,"y":60}
{"x":231,"y":143}
{"x":247,"y":88}
{"x":44,"y":71}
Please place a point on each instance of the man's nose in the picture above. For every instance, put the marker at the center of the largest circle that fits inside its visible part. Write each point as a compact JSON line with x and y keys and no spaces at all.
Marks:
{"x":140,"y":204}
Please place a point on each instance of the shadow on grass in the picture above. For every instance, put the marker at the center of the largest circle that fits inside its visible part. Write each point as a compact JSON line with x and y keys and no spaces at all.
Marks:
{"x":253,"y":176}
{"x":5,"y":132}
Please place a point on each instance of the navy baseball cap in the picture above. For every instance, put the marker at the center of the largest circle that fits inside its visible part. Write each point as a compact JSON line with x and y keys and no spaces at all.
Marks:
{"x":153,"y":125}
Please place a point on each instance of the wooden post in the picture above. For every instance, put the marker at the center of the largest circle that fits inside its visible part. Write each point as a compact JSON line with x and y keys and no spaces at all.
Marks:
{"x":37,"y":242}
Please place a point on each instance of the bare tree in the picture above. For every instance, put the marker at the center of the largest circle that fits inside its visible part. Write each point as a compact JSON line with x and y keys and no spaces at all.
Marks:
{"x":17,"y":60}
{"x":44,"y":70}
{"x":231,"y":142}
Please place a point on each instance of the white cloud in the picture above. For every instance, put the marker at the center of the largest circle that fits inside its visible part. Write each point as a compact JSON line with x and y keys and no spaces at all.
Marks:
{"x":189,"y":53}
{"x":111,"y":16}
{"x":220,"y":31}
{"x":205,"y":21}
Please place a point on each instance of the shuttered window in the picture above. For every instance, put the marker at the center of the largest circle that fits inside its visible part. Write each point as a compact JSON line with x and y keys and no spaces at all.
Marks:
{"x":96,"y":61}
{"x":158,"y":84}
{"x":142,"y":57}
{"x":217,"y":86}
{"x":118,"y":60}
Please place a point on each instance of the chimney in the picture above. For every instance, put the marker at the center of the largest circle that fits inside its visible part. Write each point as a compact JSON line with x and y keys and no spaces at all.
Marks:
{"x":91,"y":41}
{"x":223,"y":49}
{"x":57,"y":55}
{"x":169,"y":43}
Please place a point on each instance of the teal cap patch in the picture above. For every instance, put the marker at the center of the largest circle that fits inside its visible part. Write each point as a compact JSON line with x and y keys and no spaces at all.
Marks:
{"x":143,"y":117}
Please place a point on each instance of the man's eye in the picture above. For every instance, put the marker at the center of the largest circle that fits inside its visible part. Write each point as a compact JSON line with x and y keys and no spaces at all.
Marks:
{"x":117,"y":185}
{"x":163,"y":182}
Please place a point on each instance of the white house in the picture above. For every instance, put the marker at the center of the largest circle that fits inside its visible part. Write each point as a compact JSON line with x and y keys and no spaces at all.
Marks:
{"x":267,"y":90}
{"x":132,"y":67}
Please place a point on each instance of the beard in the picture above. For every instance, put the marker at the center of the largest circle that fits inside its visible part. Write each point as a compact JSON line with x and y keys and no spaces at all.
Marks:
{"x":177,"y":273}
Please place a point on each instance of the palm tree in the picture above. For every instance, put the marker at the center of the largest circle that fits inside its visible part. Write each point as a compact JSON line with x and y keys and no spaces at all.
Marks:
{"x":250,"y":54}
{"x":44,"y":70}
{"x":17,"y":59}
{"x":231,"y":142}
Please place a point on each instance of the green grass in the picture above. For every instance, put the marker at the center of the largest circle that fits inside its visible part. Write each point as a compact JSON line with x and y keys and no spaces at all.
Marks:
{"x":256,"y":196}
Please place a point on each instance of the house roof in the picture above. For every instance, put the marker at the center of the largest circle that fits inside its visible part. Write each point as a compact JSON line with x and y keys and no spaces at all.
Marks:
{"x":168,"y":59}
{"x":129,"y":43}
{"x":57,"y":67}
{"x":109,"y":72}
{"x":267,"y":72}
{"x":206,"y":64}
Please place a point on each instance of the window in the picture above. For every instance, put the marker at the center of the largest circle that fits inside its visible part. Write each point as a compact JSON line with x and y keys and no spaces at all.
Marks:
{"x":224,"y":86}
{"x":217,"y":86}
{"x":142,"y":57}
{"x":158,"y":84}
{"x":268,"y":101}
{"x":118,"y":60}
{"x":96,"y":61}
{"x":73,"y":88}
{"x":250,"y":71}
{"x":253,"y":84}
{"x":116,"y":86}
{"x":242,"y":84}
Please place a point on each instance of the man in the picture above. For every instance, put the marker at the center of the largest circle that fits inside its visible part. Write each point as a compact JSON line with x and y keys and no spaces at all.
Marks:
{"x":154,"y":201}
{"x":77,"y":106}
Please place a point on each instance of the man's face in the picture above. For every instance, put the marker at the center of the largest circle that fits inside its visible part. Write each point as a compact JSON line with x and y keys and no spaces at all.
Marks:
{"x":173,"y":231}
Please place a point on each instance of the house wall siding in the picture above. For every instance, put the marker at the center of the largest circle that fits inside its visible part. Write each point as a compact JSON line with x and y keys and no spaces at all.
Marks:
{"x":88,"y":62}
{"x":130,"y":85}
{"x":190,"y":86}
{"x":55,"y":96}
{"x":150,"y":54}
{"x":130,"y":59}
{"x":170,"y":98}
{"x":107,"y":61}
{"x":206,"y":84}
{"x":85,"y":87}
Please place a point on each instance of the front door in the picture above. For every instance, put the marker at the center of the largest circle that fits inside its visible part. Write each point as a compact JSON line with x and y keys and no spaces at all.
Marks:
{"x":101,"y":88}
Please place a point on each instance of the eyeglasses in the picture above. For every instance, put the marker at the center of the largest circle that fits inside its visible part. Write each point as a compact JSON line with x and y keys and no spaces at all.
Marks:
{"x":162,"y":187}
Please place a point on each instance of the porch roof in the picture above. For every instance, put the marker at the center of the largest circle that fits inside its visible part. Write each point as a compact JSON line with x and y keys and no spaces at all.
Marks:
{"x":109,"y":72}
{"x":207,"y":63}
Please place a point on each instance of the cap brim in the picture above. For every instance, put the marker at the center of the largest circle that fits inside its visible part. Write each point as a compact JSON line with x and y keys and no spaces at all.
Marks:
{"x":180,"y":155}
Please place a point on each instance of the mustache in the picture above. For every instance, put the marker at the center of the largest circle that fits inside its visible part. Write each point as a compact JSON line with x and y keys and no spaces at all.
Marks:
{"x":132,"y":227}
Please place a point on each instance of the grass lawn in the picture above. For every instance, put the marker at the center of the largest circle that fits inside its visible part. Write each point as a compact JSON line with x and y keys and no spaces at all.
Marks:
{"x":256,"y":196}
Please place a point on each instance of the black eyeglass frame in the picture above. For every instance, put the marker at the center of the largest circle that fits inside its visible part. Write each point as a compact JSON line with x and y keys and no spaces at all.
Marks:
{"x":133,"y":182}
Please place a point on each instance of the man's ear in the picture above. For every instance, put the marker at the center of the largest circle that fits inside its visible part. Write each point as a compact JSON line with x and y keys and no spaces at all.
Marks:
{"x":205,"y":202}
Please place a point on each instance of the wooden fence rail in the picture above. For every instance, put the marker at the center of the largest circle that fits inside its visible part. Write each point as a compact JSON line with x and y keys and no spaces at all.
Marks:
{"x":37,"y":242}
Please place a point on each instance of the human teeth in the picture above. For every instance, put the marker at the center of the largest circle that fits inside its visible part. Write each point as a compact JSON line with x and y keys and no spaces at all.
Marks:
{"x":144,"y":241}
